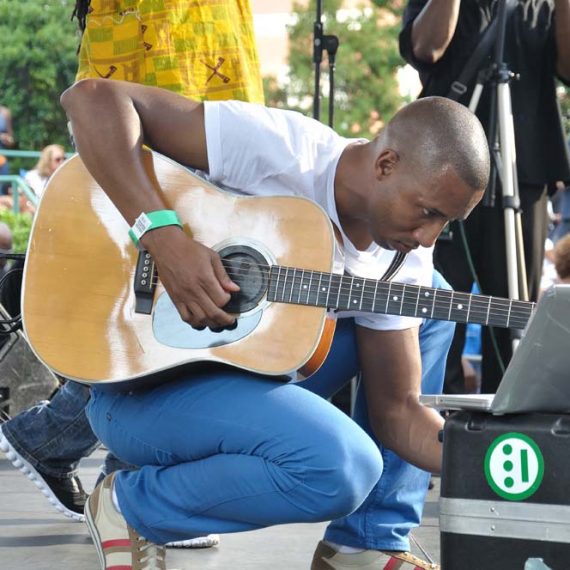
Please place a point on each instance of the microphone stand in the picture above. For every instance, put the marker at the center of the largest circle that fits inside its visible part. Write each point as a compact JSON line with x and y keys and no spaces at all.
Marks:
{"x":329,"y":44}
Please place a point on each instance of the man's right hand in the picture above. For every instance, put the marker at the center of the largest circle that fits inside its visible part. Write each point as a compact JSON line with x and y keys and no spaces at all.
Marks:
{"x":193,"y":275}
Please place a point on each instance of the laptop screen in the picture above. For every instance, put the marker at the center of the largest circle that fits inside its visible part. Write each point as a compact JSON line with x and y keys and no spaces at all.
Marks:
{"x":538,"y":376}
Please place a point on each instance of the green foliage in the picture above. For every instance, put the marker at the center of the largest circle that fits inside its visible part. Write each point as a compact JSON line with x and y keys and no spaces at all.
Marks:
{"x":38,"y":45}
{"x":20,"y":224}
{"x":366,"y":91}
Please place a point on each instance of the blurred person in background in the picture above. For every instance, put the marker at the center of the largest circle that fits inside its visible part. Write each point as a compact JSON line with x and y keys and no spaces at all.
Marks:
{"x":6,"y":141}
{"x":50,"y":159}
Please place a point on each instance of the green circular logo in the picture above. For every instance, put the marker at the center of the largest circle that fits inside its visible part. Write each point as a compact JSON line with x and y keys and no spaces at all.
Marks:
{"x":514,"y":466}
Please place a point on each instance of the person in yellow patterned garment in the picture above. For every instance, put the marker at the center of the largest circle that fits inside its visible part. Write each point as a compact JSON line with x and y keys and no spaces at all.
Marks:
{"x":199,"y":49}
{"x":202,"y":50}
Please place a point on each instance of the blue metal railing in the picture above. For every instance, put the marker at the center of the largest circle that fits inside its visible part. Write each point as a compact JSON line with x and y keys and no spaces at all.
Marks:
{"x":19,"y":185}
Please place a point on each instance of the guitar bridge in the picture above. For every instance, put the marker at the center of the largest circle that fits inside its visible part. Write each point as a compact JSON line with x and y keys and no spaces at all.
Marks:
{"x":144,"y":283}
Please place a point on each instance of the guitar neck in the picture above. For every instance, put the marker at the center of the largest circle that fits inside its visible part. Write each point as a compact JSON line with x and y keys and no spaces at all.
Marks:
{"x":347,"y":293}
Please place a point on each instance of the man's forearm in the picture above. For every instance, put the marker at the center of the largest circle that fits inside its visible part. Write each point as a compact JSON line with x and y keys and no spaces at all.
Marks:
{"x":412,"y":432}
{"x":433,"y":29}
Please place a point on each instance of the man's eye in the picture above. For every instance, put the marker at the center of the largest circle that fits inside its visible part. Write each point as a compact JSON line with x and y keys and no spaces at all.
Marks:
{"x":427,"y":213}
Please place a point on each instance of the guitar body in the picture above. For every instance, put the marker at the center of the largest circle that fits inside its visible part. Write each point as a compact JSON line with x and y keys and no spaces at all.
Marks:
{"x":78,"y":301}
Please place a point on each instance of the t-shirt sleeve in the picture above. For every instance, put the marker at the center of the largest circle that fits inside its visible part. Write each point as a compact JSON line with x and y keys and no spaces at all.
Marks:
{"x":247,"y":143}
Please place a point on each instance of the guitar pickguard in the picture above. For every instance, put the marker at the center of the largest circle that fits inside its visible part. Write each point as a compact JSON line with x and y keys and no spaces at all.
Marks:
{"x":169,"y":329}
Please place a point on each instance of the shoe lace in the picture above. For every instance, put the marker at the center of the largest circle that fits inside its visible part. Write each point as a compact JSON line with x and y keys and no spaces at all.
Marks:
{"x":151,"y":556}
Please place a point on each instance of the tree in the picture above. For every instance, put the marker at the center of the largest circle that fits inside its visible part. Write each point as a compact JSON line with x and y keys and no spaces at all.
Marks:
{"x":366,"y":89}
{"x":38,"y":45}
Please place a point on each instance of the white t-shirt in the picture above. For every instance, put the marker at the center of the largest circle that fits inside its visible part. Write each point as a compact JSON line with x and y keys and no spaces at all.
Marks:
{"x":260,"y":151}
{"x":36,"y":182}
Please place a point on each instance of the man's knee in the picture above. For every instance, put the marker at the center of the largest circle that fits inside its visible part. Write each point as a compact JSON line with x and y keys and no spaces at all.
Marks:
{"x":354,"y":468}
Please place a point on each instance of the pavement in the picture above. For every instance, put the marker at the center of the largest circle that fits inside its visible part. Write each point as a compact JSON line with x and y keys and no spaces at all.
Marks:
{"x":33,"y":536}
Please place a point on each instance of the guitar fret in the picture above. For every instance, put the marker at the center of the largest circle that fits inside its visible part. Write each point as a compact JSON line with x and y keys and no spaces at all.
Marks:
{"x":450,"y":306}
{"x":374,"y":296}
{"x":458,"y":312}
{"x":442,"y":304}
{"x":417,"y":301}
{"x":285,"y":283}
{"x":309,"y":288}
{"x":488,"y":311}
{"x":367,"y":299}
{"x":272,"y":284}
{"x":292,"y":289}
{"x":300,"y":287}
{"x":424,"y":303}
{"x":328,"y":292}
{"x":338,"y":294}
{"x":509,"y":314}
{"x":319,"y":290}
{"x":498,"y":315}
{"x":350,"y":292}
{"x":362,"y":286}
{"x":395,"y":299}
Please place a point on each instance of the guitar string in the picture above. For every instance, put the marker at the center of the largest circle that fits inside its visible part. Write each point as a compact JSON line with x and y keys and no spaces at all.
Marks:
{"x":478,"y":302}
{"x":479,"y":306}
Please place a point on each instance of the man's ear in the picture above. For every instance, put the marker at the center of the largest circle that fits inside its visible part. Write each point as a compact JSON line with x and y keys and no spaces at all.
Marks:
{"x":386,"y":163}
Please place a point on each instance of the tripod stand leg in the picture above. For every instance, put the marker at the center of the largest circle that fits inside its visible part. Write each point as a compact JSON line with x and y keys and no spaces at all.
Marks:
{"x":513,"y":228}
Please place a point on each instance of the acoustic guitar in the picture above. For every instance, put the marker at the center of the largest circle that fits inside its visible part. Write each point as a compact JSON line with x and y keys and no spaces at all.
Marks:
{"x":94,"y":309}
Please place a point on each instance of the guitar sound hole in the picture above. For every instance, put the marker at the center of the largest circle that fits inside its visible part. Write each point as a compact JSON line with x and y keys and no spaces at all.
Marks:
{"x":249,"y":269}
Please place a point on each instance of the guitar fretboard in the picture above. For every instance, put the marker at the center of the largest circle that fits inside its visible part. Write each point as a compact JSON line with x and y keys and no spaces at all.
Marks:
{"x":347,"y":293}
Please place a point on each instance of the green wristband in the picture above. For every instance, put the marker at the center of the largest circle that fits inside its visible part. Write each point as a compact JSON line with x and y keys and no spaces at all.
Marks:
{"x":147,"y":222}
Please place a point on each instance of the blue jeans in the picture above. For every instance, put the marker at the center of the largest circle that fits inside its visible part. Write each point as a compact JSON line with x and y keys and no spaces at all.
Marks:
{"x":53,"y":436}
{"x":395,"y":505}
{"x":228,"y":452}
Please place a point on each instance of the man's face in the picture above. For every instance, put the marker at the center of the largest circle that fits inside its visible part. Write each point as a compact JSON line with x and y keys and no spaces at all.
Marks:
{"x":409,"y":210}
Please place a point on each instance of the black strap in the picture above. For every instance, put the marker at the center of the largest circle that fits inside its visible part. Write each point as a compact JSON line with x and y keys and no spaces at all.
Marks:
{"x":459,"y":86}
{"x":395,"y":265}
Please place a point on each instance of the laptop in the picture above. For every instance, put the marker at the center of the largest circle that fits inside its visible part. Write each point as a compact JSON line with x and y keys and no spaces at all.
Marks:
{"x":538,"y":376}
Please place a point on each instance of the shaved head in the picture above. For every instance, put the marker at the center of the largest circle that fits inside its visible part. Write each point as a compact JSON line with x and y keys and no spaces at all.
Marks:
{"x":435,"y":134}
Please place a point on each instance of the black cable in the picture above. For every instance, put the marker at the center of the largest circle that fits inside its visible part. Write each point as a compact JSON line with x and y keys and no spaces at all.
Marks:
{"x":473,"y":271}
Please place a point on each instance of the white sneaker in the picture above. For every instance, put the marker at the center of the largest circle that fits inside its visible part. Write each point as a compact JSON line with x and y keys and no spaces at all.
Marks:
{"x":199,"y":542}
{"x":118,"y":545}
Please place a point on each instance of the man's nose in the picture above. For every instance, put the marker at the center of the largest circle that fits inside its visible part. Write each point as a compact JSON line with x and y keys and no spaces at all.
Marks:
{"x":426,"y":234}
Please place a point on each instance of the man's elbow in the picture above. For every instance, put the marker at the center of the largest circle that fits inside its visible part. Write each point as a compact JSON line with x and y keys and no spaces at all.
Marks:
{"x":427,"y":53}
{"x":80,"y":91}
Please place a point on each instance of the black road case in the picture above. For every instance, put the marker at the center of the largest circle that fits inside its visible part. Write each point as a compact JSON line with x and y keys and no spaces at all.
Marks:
{"x":505,"y":492}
